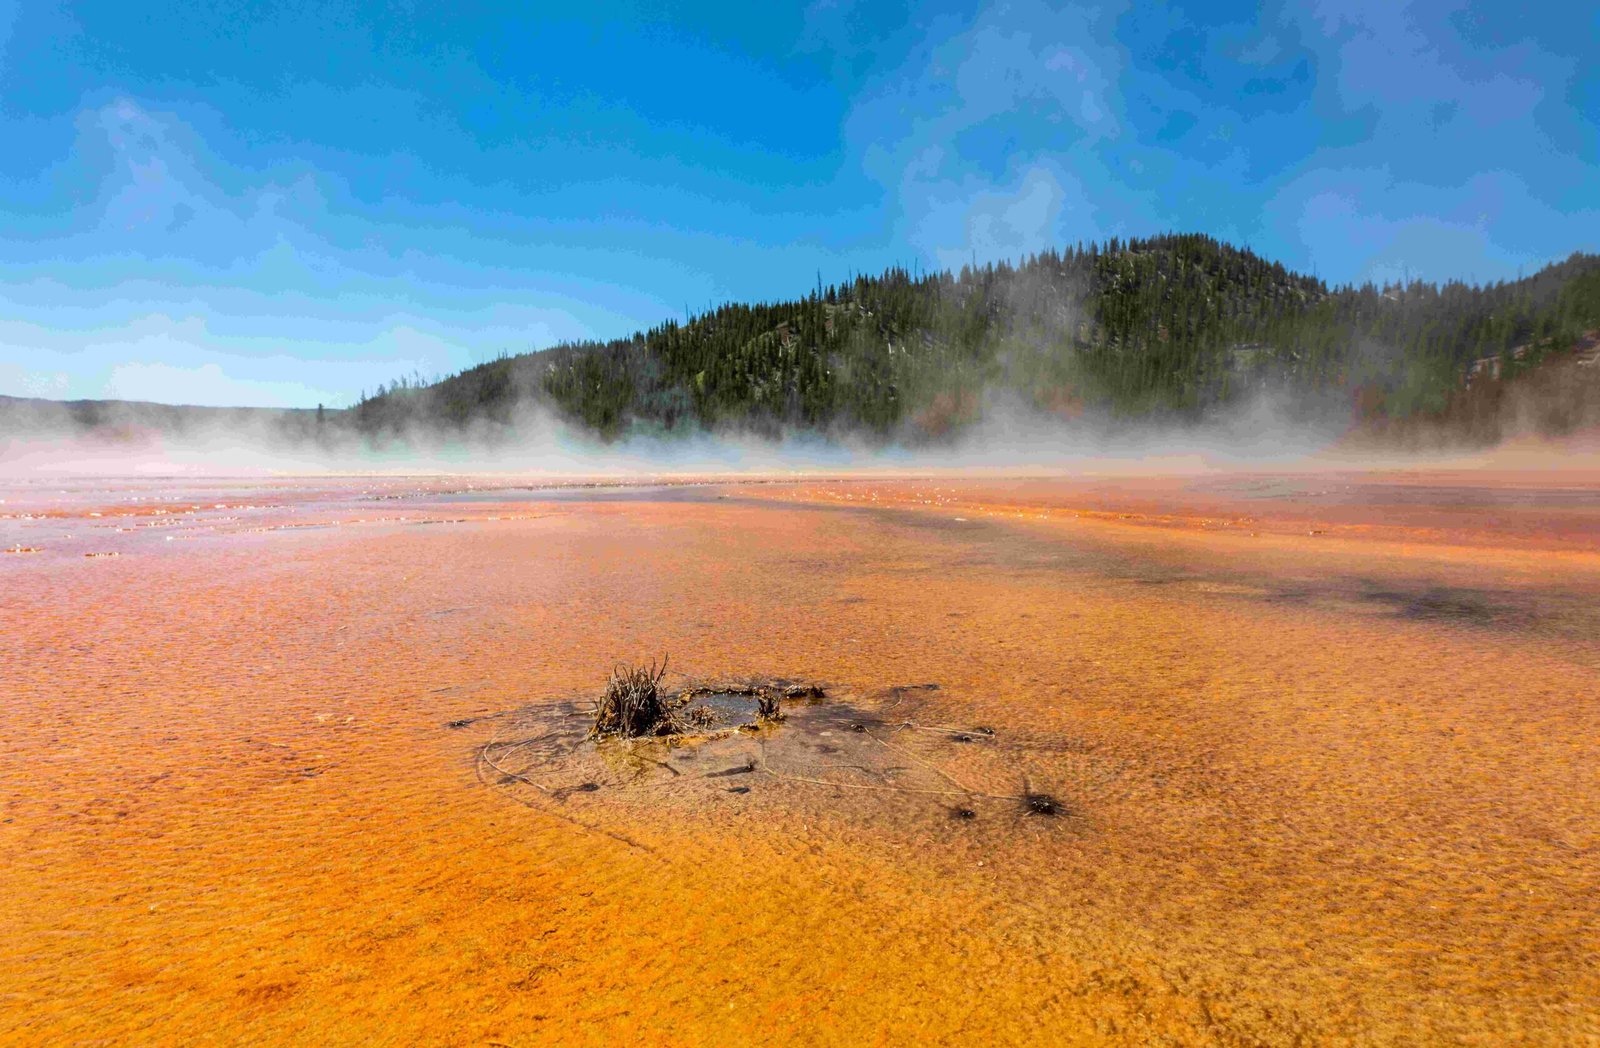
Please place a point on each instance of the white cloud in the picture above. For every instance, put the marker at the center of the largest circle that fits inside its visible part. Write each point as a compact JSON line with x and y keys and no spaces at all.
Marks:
{"x":19,"y":380}
{"x":180,"y":288}
{"x":1384,"y":56}
{"x":1388,"y":229}
{"x":1007,"y":221}
{"x":205,"y":384}
{"x":1023,"y":78}
{"x":173,"y":360}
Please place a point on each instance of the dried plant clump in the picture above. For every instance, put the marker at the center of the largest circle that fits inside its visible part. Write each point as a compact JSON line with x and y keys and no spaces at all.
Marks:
{"x":769,"y":707}
{"x":1040,"y":804}
{"x":633,"y":705}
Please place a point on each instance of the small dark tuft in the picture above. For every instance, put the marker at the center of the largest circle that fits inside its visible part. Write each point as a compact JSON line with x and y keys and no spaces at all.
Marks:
{"x":1041,"y":804}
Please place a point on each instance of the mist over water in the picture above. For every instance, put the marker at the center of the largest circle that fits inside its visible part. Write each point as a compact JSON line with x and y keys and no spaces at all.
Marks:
{"x":1008,"y":436}
{"x":1265,"y":431}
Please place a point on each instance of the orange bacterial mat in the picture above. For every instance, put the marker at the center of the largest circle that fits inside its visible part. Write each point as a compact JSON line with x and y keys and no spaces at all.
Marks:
{"x":1321,"y":752}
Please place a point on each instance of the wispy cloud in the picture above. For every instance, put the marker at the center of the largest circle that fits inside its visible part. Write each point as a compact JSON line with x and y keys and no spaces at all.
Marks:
{"x":1465,"y":167}
{"x":371,"y":195}
{"x":1356,"y":138}
{"x":167,"y":272}
{"x":975,"y":135}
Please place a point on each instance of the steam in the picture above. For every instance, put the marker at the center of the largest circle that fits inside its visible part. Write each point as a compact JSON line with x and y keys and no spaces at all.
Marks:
{"x":42,"y":438}
{"x":1021,"y":418}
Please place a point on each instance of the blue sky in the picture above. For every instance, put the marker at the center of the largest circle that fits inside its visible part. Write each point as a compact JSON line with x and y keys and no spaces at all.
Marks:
{"x":283,"y":203}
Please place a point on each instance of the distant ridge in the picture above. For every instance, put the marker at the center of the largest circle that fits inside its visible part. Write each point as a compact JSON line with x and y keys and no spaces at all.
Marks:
{"x":132,"y":420}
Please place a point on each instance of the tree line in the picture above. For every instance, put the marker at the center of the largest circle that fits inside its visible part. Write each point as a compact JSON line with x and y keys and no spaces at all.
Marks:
{"x":1174,"y":325}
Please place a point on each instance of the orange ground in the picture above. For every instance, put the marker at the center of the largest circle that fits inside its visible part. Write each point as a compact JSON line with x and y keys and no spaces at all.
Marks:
{"x":1328,"y":747}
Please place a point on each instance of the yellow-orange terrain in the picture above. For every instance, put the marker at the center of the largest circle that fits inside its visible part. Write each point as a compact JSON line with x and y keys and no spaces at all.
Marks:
{"x":1324,"y":751}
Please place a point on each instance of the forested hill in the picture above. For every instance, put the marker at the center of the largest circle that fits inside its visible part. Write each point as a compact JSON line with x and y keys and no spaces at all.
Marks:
{"x":1174,"y":326}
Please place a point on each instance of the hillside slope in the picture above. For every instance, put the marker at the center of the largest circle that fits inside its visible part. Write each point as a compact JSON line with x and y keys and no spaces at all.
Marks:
{"x":1175,"y":327}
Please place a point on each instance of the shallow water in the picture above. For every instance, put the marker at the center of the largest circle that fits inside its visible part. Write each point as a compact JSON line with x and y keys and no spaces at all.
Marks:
{"x":1325,"y":764}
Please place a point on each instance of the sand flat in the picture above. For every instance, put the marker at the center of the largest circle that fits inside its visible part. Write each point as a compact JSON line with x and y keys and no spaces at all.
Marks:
{"x":1325,"y":746}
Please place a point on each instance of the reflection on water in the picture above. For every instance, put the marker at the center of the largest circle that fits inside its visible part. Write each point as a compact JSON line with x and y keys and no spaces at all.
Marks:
{"x":306,"y":764}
